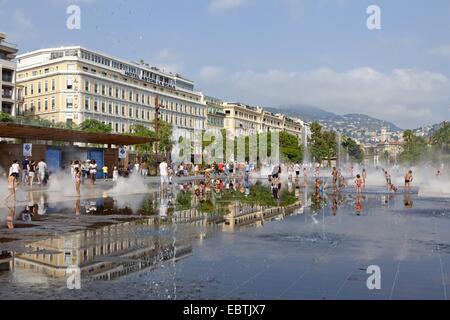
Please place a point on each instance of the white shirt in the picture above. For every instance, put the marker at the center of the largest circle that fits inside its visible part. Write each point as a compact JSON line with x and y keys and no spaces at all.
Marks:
{"x":163,"y":168}
{"x":15,"y":168}
{"x":42,"y":166}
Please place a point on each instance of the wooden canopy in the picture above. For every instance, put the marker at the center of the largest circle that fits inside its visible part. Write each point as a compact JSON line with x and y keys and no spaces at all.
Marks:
{"x":19,"y":131}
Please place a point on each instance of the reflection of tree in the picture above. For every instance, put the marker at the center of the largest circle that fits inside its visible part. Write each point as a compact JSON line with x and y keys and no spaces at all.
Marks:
{"x":183,"y":200}
{"x":148,"y":206}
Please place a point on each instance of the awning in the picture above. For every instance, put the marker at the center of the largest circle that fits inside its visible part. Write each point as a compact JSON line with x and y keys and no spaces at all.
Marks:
{"x":19,"y":131}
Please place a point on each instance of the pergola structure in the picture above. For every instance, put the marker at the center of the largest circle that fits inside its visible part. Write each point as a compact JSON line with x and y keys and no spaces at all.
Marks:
{"x":19,"y":131}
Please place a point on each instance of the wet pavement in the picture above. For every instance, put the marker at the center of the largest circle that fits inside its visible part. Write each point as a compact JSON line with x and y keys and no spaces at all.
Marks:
{"x":195,"y":242}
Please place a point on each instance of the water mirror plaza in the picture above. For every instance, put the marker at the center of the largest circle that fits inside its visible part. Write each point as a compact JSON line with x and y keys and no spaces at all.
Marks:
{"x":225,"y":238}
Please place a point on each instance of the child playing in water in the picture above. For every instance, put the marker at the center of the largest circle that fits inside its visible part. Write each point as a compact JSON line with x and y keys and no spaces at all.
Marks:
{"x":408,"y":179}
{"x":358,"y":183}
{"x":364,"y":177}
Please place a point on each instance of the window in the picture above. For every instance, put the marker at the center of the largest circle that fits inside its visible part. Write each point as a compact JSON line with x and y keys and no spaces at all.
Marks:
{"x":53,"y":103}
{"x":86,"y":103}
{"x":117,"y":92}
{"x":39,"y":87}
{"x":95,"y":105}
{"x":117,"y":109}
{"x":123,"y":111}
{"x":103,"y":106}
{"x":131,"y":95}
{"x":110,"y":108}
{"x":46,"y":86}
{"x":110,"y":91}
{"x":31,"y":89}
{"x":25,"y":91}
{"x":130,"y":113}
{"x":103,"y":89}
{"x":46,"y":104}
{"x":137,"y":113}
{"x":69,"y":103}
{"x":32,"y":106}
{"x":86,"y":85}
{"x":39,"y":105}
{"x":69,"y":84}
{"x":96,"y":87}
{"x":53,"y":84}
{"x":117,"y":127}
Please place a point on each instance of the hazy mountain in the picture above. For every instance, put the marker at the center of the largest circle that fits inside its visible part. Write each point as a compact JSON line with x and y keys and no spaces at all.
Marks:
{"x":341,"y":123}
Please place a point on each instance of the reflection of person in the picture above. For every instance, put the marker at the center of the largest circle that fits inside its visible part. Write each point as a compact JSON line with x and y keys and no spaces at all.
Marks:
{"x":358,"y":183}
{"x":10,"y":217}
{"x":408,"y":201}
{"x":77,"y":206}
{"x":358,"y":205}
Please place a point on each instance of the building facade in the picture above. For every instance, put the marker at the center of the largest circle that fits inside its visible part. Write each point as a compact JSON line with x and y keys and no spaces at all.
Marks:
{"x":215,"y":113}
{"x":241,"y":119}
{"x":7,"y":76}
{"x":72,"y":84}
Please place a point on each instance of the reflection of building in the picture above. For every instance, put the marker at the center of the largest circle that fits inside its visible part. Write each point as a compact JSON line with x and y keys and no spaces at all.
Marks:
{"x":241,"y":215}
{"x":71,"y":84}
{"x":7,"y":76}
{"x":102,"y":253}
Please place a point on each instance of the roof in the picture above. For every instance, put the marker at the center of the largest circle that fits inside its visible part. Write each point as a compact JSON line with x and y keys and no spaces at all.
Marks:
{"x":19,"y":131}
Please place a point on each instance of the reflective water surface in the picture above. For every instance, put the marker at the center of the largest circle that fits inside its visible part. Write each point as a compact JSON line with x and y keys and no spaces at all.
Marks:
{"x":228,"y":241}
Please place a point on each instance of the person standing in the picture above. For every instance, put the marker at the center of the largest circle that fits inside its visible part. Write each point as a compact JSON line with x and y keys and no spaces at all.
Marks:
{"x":136,"y":168}
{"x":77,"y":180}
{"x":12,"y":184}
{"x":408,"y":179}
{"x":25,"y":164}
{"x":105,"y":172}
{"x":31,"y":172}
{"x":15,"y":169}
{"x":115,"y":174}
{"x":144,"y":169}
{"x":163,"y":172}
{"x":42,"y":169}
{"x":93,"y":171}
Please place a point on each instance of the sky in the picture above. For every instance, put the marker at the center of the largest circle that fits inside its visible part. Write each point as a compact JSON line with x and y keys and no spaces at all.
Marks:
{"x":274,"y":53}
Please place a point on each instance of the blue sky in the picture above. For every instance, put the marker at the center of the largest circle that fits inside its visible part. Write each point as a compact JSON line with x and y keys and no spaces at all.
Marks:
{"x":269,"y":52}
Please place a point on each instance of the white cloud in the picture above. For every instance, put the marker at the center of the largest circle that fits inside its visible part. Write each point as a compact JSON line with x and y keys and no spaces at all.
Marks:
{"x":406,"y":97}
{"x":442,"y":51}
{"x":219,"y":6}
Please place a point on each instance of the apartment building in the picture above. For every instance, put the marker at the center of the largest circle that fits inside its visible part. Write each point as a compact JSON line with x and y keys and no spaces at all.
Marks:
{"x":7,"y":75}
{"x":241,"y":119}
{"x":215,"y":113}
{"x":72,"y":84}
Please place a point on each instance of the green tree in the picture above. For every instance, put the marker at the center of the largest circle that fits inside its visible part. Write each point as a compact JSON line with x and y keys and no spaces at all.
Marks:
{"x":415,"y":148}
{"x":6,"y":117}
{"x":164,"y":135}
{"x":441,"y":138}
{"x":354,"y":150}
{"x":322,"y":144}
{"x":290,"y":148}
{"x":142,"y":131}
{"x":95,"y":126}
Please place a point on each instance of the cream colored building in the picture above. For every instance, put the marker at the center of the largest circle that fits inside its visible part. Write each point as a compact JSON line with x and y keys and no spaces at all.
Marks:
{"x":7,"y":76}
{"x":241,"y":119}
{"x":72,"y":84}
